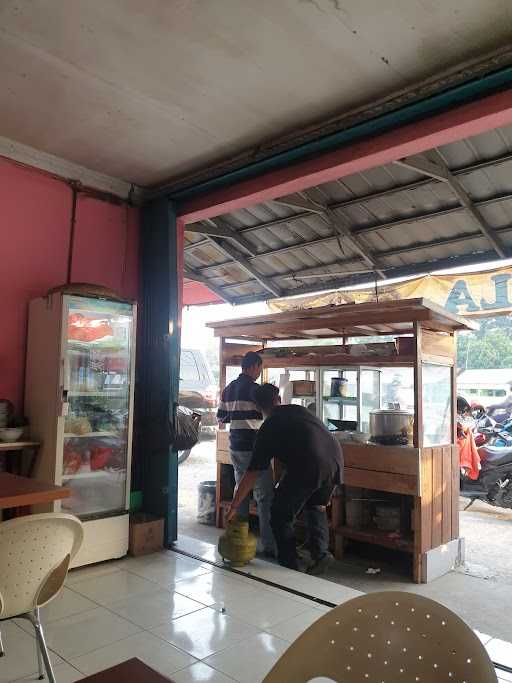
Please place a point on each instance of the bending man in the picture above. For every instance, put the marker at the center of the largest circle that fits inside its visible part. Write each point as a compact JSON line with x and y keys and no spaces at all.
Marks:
{"x":313,"y":463}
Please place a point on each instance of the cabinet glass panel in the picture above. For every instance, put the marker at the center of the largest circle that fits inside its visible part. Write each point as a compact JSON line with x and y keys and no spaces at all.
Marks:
{"x":370,"y":396}
{"x":340,"y":400}
{"x":290,"y":388}
{"x":397,"y":387}
{"x":437,"y":405}
{"x":97,"y":363}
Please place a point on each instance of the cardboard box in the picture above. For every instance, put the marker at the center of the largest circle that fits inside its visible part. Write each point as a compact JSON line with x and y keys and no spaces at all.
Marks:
{"x":146,"y":534}
{"x":304,"y":387}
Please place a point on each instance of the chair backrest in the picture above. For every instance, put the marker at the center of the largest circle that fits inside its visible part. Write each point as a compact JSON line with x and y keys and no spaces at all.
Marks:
{"x":386,"y":637}
{"x":35,"y":552}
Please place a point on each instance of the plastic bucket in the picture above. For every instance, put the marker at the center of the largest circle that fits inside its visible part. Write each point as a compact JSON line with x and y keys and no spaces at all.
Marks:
{"x":206,"y":503}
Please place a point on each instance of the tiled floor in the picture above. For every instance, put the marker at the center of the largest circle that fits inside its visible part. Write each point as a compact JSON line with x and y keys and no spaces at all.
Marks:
{"x":187,"y":619}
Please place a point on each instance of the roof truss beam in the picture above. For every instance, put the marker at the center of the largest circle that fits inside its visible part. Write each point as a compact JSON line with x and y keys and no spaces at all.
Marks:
{"x":338,"y":224}
{"x":219,"y":228}
{"x":231,"y":252}
{"x":465,"y":170}
{"x":439,"y":170}
{"x":192,"y":274}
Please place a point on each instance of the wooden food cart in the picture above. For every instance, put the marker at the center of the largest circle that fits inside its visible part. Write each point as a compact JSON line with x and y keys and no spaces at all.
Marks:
{"x":420,"y":478}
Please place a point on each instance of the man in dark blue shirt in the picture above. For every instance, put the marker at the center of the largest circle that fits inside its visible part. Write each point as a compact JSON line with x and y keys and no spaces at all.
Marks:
{"x":237,"y":408}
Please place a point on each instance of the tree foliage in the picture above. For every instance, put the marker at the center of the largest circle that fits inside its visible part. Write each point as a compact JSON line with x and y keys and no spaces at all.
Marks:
{"x":489,"y":347}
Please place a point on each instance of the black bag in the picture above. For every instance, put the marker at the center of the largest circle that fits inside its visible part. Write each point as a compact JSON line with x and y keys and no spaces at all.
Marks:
{"x":185,"y":435}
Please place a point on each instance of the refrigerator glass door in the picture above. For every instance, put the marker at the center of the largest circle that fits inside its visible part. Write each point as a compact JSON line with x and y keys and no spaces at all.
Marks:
{"x":97,"y":362}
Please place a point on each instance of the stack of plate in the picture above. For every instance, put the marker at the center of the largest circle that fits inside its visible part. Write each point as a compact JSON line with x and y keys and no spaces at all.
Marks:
{"x":5,"y":411}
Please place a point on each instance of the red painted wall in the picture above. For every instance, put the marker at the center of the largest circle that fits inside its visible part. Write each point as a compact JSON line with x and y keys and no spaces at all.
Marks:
{"x":35,"y":219}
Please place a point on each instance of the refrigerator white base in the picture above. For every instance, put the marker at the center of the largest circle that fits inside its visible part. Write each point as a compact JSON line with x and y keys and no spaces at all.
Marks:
{"x":104,"y":539}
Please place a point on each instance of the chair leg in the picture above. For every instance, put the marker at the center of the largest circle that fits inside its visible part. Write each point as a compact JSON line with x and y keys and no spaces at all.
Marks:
{"x":38,"y":628}
{"x":2,"y":651}
{"x":40,"y":663}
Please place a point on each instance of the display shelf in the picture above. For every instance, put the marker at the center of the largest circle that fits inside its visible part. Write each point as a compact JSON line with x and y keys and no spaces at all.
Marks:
{"x":121,"y":393}
{"x":344,"y":400}
{"x":376,"y":536}
{"x":97,"y":474}
{"x":90,"y":435}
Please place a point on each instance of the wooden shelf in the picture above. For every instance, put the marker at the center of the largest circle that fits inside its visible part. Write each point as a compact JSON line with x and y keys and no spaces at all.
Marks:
{"x":335,"y":361}
{"x":17,"y":445}
{"x":375,"y":536}
{"x":90,"y":435}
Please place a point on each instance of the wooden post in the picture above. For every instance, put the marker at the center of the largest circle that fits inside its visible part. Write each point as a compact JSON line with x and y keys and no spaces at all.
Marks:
{"x":418,"y":443}
{"x":454,"y":393}
{"x":418,"y":389}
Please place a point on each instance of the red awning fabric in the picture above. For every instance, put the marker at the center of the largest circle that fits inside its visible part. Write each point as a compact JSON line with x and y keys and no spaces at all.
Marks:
{"x":195,"y":294}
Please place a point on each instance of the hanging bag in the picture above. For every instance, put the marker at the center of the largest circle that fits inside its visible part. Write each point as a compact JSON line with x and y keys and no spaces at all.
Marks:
{"x":185,"y":434}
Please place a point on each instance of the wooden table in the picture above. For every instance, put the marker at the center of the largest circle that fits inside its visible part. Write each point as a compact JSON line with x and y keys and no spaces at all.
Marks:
{"x":132,"y":670}
{"x":19,"y":492}
{"x":16,"y":448}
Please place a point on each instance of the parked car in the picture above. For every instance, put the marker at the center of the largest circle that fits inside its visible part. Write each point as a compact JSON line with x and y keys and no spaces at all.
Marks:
{"x":198,"y":390}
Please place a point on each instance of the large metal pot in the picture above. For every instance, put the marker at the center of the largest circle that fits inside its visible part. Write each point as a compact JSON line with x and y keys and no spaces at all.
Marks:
{"x":391,"y":426}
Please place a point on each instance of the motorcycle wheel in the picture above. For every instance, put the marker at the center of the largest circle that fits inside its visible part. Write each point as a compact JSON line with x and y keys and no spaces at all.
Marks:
{"x":183,"y":455}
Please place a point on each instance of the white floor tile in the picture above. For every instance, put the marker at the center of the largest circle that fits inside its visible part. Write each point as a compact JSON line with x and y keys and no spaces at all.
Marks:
{"x":87,"y":631}
{"x":154,"y":609}
{"x":213,"y":587}
{"x":205,"y":632}
{"x":500,"y":651}
{"x":67,"y":603}
{"x":484,"y":637}
{"x":291,"y":629}
{"x":200,"y":673}
{"x":92,"y":571}
{"x":207,"y":551}
{"x":64,"y":673}
{"x":154,"y":652}
{"x":503,"y":676}
{"x":304,"y":583}
{"x":114,"y":586}
{"x":250,"y":660}
{"x":20,"y":653}
{"x":166,"y":571}
{"x":260,"y":608}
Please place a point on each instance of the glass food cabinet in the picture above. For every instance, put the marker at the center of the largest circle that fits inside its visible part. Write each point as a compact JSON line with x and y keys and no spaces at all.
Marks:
{"x":347,"y":395}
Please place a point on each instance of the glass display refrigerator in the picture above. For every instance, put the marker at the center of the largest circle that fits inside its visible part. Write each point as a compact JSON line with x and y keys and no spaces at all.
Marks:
{"x":79,"y":402}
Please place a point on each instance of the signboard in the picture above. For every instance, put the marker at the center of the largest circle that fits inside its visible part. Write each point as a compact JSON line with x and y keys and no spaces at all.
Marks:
{"x":483,"y":293}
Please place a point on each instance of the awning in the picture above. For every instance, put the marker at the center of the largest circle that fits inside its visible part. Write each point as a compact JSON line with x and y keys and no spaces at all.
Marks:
{"x":473,"y":294}
{"x":197,"y":294}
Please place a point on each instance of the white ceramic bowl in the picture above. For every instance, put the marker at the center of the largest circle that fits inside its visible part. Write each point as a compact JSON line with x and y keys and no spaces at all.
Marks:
{"x":10,"y":434}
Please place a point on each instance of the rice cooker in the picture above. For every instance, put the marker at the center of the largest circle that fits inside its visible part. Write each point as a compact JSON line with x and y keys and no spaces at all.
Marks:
{"x":391,"y":427}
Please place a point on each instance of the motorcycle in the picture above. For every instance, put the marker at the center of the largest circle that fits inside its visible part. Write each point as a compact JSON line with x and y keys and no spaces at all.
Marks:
{"x":494,"y":445}
{"x":494,"y":483}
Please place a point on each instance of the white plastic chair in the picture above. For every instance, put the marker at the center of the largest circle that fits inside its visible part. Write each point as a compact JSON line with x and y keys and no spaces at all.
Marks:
{"x":35,"y":552}
{"x":386,"y":637}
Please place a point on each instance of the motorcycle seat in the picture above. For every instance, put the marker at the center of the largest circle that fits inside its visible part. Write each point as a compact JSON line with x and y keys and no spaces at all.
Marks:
{"x":494,"y":456}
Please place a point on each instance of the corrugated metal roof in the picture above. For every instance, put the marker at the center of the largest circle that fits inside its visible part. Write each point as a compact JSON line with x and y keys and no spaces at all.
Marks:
{"x":405,"y":221}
